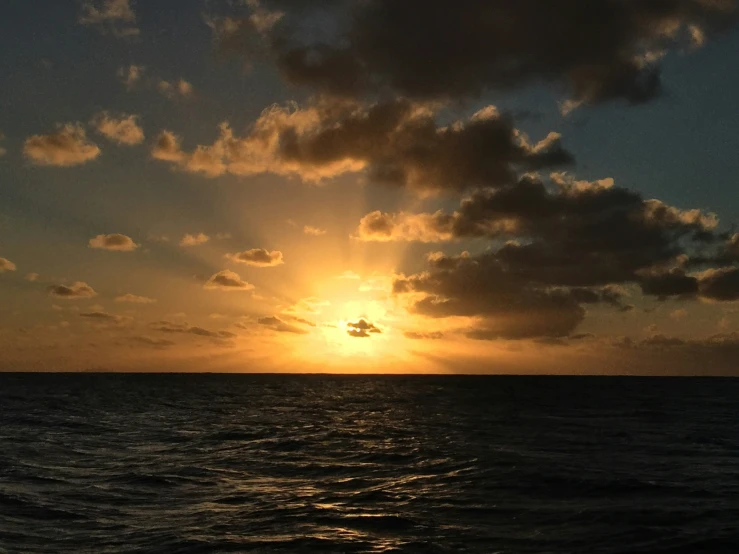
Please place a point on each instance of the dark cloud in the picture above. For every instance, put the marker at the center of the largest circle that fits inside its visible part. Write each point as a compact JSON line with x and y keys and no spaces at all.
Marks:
{"x":720,"y":284}
{"x":394,"y":142}
{"x":281,"y":326}
{"x":73,"y":291}
{"x":572,"y":233}
{"x":399,"y":143}
{"x":362,"y":328}
{"x":602,"y":50}
{"x":506,"y":305}
{"x":574,"y":244}
{"x":674,"y":282}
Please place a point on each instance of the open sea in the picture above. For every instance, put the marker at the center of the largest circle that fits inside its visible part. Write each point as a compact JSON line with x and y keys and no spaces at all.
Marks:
{"x":109,"y":463}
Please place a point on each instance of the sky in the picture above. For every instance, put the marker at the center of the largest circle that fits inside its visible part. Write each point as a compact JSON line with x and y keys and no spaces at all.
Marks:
{"x":369,"y":186}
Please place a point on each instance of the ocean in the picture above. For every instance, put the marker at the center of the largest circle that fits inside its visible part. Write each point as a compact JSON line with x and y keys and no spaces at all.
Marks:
{"x":111,"y":463}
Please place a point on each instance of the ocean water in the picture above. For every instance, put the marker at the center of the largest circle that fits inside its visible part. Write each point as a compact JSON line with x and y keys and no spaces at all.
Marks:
{"x":266,"y":463}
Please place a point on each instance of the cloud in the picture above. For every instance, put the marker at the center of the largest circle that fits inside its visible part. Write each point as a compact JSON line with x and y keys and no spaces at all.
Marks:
{"x":114,"y":242}
{"x":396,"y":143}
{"x":175,"y":89}
{"x":385,"y":227}
{"x":67,"y":147}
{"x":228,"y":281}
{"x":720,"y":284}
{"x":114,"y":16}
{"x":310,"y":305}
{"x":123,"y":129}
{"x":257,"y":257}
{"x":414,"y":335}
{"x":313,"y":231}
{"x":76,"y":290}
{"x":566,"y":234}
{"x":678,"y":314}
{"x":6,"y":265}
{"x":153,"y":343}
{"x":131,"y":75}
{"x":194,"y":240}
{"x":3,"y":151}
{"x":102,"y":316}
{"x":135,"y":299}
{"x":280,"y":326}
{"x":361,"y":328}
{"x":184,"y":328}
{"x":504,"y":305}
{"x":348,"y":274}
{"x":32,"y":277}
{"x":597,"y":51}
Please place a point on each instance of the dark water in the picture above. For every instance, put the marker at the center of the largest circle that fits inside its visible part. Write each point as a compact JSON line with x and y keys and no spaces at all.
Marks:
{"x":200,"y":464}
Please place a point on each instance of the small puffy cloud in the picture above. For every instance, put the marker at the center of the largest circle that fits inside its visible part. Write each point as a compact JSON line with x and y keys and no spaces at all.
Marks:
{"x":135,"y":299}
{"x":69,"y":146}
{"x":114,"y":16}
{"x":194,"y":240}
{"x":361,"y":328}
{"x":3,"y":151}
{"x":175,"y":89}
{"x":348,"y":274}
{"x":227,"y":280}
{"x":114,"y":242}
{"x":32,"y":277}
{"x":257,"y":257}
{"x":6,"y":265}
{"x":123,"y":129}
{"x":280,"y":326}
{"x":131,"y":75}
{"x":313,"y":231}
{"x":678,"y":314}
{"x":76,"y":290}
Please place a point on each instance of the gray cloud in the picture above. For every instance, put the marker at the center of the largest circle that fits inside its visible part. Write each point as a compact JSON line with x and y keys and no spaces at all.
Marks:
{"x":599,"y":51}
{"x":361,"y":328}
{"x":397,"y":143}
